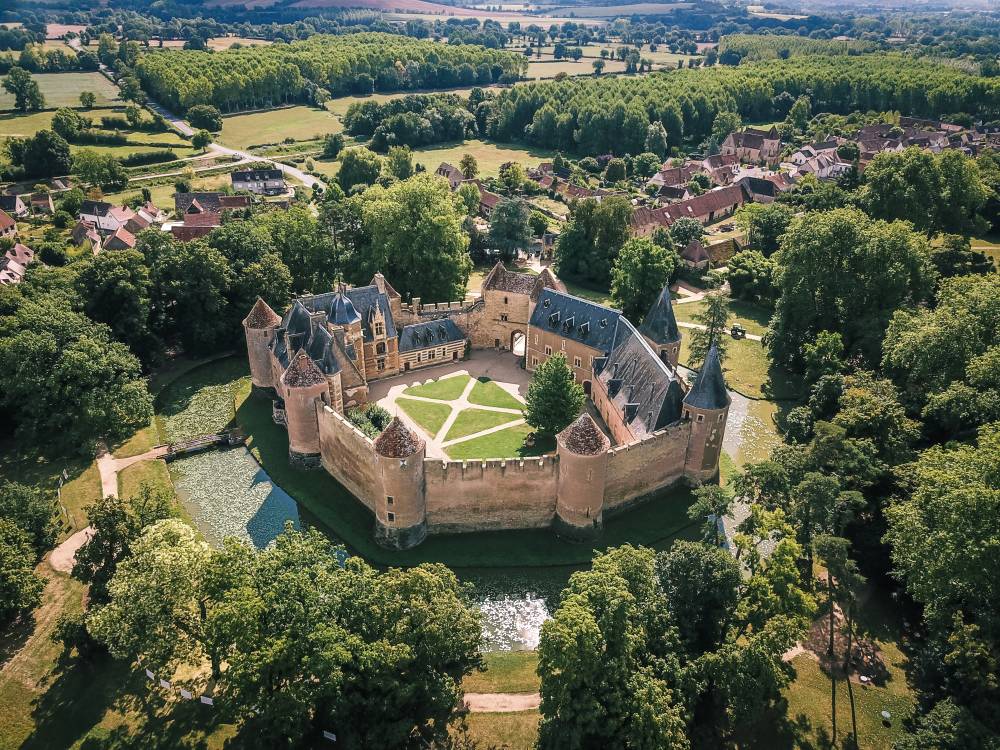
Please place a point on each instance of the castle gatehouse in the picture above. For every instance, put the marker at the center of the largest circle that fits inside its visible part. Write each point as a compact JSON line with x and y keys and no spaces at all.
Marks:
{"x":316,"y":362}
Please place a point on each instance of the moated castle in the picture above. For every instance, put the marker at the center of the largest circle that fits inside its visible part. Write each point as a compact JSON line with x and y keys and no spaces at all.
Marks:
{"x":317,"y":360}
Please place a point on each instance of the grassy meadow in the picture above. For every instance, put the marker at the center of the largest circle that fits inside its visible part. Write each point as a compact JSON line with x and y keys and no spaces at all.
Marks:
{"x":63,"y":89}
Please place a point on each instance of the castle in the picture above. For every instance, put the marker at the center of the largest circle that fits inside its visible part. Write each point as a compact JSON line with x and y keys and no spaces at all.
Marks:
{"x":316,"y":361}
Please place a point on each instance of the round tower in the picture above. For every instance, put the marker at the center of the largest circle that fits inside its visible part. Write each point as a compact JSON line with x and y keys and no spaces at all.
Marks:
{"x":401,"y":510}
{"x":259,"y":326}
{"x":583,"y":467}
{"x":302,"y":386}
{"x":706,"y":406}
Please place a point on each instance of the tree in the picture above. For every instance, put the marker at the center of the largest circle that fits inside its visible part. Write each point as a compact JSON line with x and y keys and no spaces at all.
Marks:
{"x":201,"y":139}
{"x":715,"y":319}
{"x":134,"y":116}
{"x":87,"y":99}
{"x":800,"y":113}
{"x":31,"y":509}
{"x":656,"y":140}
{"x":724,"y":124}
{"x":646,"y":164}
{"x":592,"y":238}
{"x":399,"y":162}
{"x":823,"y":356}
{"x":751,"y":277}
{"x":469,"y":166}
{"x":764,"y":223}
{"x":68,"y":123}
{"x":304,"y":246}
{"x":100,"y":169}
{"x":130,"y":89}
{"x":27,"y":95}
{"x":414,"y":228}
{"x":205,"y":117}
{"x":56,"y":362}
{"x":157,"y":600}
{"x":117,"y":523}
{"x":554,"y":397}
{"x":468,"y":196}
{"x":115,"y":289}
{"x":512,"y":176}
{"x":358,"y":166}
{"x":955,"y":257}
{"x":598,"y":66}
{"x":46,"y":154}
{"x":641,"y":270}
{"x":333,"y":144}
{"x":20,"y":588}
{"x":686,"y":230}
{"x":538,"y":223}
{"x":711,"y":504}
{"x":935,"y":193}
{"x":842,"y":272}
{"x":509,"y":229}
{"x":615,"y":171}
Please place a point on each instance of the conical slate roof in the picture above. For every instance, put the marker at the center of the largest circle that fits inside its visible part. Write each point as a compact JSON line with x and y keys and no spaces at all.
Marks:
{"x":709,"y":391}
{"x":342,"y":309}
{"x":660,"y":324}
{"x":396,"y":441}
{"x":303,"y":372}
{"x":261,"y":316}
{"x":584,"y":437}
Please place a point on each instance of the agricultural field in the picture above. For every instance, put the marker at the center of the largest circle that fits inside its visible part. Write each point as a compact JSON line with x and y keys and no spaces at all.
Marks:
{"x":489,"y":155}
{"x":543,"y":69}
{"x":63,"y":89}
{"x":13,"y":124}
{"x":273,"y":126}
{"x":225,"y":42}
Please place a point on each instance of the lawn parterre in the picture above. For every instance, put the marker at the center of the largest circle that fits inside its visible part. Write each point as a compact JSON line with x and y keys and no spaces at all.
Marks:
{"x":471,"y":421}
{"x":506,"y":443}
{"x":429,"y":416}
{"x":445,"y":389}
{"x":488,"y":393}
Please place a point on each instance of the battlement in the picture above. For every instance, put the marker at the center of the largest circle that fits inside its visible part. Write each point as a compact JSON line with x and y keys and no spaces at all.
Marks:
{"x":478,"y":469}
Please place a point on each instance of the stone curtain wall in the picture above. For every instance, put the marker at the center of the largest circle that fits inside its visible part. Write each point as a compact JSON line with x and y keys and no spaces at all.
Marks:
{"x":640,"y":468}
{"x":348,"y":455}
{"x":491,"y":494}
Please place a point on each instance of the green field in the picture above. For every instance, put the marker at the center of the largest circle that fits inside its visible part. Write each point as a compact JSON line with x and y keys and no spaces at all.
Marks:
{"x":507,"y":443}
{"x":430,"y":417}
{"x":16,"y":124}
{"x":488,"y":393}
{"x":489,"y":155}
{"x":506,"y":672}
{"x":543,"y":69}
{"x":259,"y":128}
{"x":63,"y":89}
{"x":471,"y":421}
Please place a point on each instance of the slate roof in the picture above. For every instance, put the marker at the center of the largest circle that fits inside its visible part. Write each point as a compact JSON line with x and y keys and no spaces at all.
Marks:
{"x":585,"y":438}
{"x":429,"y":334}
{"x":640,"y":386}
{"x":212,"y":203}
{"x":396,"y":441}
{"x":501,"y":280}
{"x":546,"y":280}
{"x":709,"y":391}
{"x":95,"y":208}
{"x":11,"y":204}
{"x":363,"y":299}
{"x":320,"y":350}
{"x":573,"y":318}
{"x":257,"y":175}
{"x":660,"y":323}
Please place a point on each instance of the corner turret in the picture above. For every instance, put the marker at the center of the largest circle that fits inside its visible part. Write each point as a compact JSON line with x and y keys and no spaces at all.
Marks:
{"x":707,"y":407}
{"x":659,"y":328}
{"x":583,"y":466}
{"x":401,"y":510}
{"x":259,"y":327}
{"x":302,"y":385}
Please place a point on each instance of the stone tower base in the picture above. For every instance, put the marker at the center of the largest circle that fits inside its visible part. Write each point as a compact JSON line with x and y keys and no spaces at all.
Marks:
{"x":303,"y":460}
{"x":574,"y":533}
{"x":399,"y":539}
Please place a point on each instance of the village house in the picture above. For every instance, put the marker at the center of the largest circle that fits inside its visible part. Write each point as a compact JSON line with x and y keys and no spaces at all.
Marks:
{"x":706,"y":208}
{"x":41,"y":203}
{"x":105,"y":217}
{"x":695,"y":256}
{"x":8,"y":227}
{"x":14,"y":206}
{"x":14,"y":263}
{"x":260,"y":181}
{"x":453,"y":174}
{"x":753,"y":145}
{"x":197,"y":214}
{"x":84,"y":232}
{"x":120,"y":239}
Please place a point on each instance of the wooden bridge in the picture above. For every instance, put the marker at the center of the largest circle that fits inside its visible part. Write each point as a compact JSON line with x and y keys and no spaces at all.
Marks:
{"x":203,"y":443}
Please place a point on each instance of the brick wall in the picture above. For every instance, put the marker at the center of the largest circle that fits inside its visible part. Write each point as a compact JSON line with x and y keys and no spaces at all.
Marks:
{"x":348,"y":455}
{"x":639,"y":468}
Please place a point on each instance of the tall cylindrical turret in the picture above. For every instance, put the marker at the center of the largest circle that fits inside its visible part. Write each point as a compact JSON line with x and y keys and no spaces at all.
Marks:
{"x":302,"y":385}
{"x":583,"y":466}
{"x":401,"y":511}
{"x":707,"y":407}
{"x":259,"y":326}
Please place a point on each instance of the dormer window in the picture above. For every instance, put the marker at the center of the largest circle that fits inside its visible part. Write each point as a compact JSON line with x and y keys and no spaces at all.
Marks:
{"x":604,"y":322}
{"x":380,"y":329}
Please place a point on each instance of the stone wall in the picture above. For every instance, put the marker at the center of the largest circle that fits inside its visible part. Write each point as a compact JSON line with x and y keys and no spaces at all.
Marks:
{"x":493,"y":494}
{"x":349,"y":455}
{"x":640,"y":468}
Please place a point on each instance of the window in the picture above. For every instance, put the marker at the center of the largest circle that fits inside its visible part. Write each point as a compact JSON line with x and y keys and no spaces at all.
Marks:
{"x":536,"y":339}
{"x":379,"y":329}
{"x":687,"y":414}
{"x":505,"y":300}
{"x":380,"y":347}
{"x":576,"y":362}
{"x":562,"y":344}
{"x":388,"y":499}
{"x":720,"y":417}
{"x":391,"y":517}
{"x":431,"y":354}
{"x":548,"y":350}
{"x":534,"y":361}
{"x":503,"y":317}
{"x":701,"y":417}
{"x":380,"y":364}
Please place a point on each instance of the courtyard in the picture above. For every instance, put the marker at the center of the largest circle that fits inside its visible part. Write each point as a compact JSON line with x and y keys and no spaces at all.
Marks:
{"x":465,"y":410}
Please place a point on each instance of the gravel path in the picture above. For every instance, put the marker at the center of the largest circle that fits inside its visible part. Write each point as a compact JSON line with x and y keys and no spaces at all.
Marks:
{"x":485,"y":703}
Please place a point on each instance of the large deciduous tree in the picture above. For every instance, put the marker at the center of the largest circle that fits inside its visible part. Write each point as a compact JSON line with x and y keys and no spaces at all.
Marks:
{"x":20,"y":587}
{"x":590,"y":242}
{"x":640,"y":272}
{"x":509,"y":228}
{"x":33,"y":509}
{"x":554,"y":397}
{"x":27,"y":95}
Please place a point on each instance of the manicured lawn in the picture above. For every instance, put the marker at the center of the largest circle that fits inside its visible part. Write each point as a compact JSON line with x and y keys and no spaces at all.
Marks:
{"x":600,"y":296}
{"x":471,"y":421}
{"x":429,"y":416}
{"x":154,"y":472}
{"x":487,"y":393}
{"x":488,"y":155}
{"x":752,"y":317}
{"x":445,"y":389}
{"x":512,"y":731}
{"x":63,"y":89}
{"x":748,"y":369}
{"x":507,"y":443}
{"x":258,"y":128}
{"x":506,"y":672}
